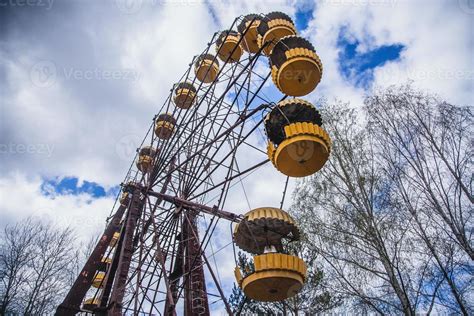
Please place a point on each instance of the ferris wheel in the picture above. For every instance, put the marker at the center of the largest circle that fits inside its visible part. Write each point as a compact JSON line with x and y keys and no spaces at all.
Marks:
{"x":215,"y":128}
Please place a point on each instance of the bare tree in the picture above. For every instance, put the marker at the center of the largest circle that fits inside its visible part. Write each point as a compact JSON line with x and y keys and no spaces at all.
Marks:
{"x":345,"y":208}
{"x":15,"y":256}
{"x":390,"y":214}
{"x":80,"y":255}
{"x":37,"y":273}
{"x":427,"y":151}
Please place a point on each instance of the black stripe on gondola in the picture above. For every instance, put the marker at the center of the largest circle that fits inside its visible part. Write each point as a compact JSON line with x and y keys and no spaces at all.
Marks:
{"x":285,"y":115}
{"x":223,"y":35}
{"x":167,"y":118}
{"x":249,"y":17}
{"x":278,"y":57}
{"x":278,"y":15}
{"x":148,"y":151}
{"x":185,"y":85}
{"x":263,"y":27}
{"x":202,"y":57}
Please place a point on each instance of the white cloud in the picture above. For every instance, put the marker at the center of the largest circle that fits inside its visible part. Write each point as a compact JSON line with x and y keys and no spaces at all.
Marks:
{"x":21,"y":197}
{"x":437,"y":37}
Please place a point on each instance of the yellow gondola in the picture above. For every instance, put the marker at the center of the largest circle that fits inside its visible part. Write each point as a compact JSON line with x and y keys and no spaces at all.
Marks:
{"x":206,"y":68}
{"x":91,"y":303}
{"x":104,"y":263}
{"x":228,"y":47}
{"x":145,"y":158}
{"x":250,"y":23}
{"x":184,"y":95}
{"x":298,"y":146}
{"x":296,"y":68}
{"x":274,"y":276}
{"x":165,"y":126}
{"x":277,"y":276}
{"x":274,"y":26}
{"x":125,"y":198}
{"x":115,"y":238}
{"x":98,"y":281}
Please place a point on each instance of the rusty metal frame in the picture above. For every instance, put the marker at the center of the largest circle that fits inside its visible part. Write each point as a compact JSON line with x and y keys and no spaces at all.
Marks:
{"x":175,"y":237}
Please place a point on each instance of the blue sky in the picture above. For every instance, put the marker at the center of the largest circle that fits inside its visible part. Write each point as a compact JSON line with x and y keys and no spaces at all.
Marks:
{"x":72,"y":186}
{"x":357,"y":66}
{"x":302,"y":17}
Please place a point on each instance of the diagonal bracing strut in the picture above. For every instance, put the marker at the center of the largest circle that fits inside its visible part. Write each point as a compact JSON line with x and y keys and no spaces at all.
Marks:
{"x":198,"y":207}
